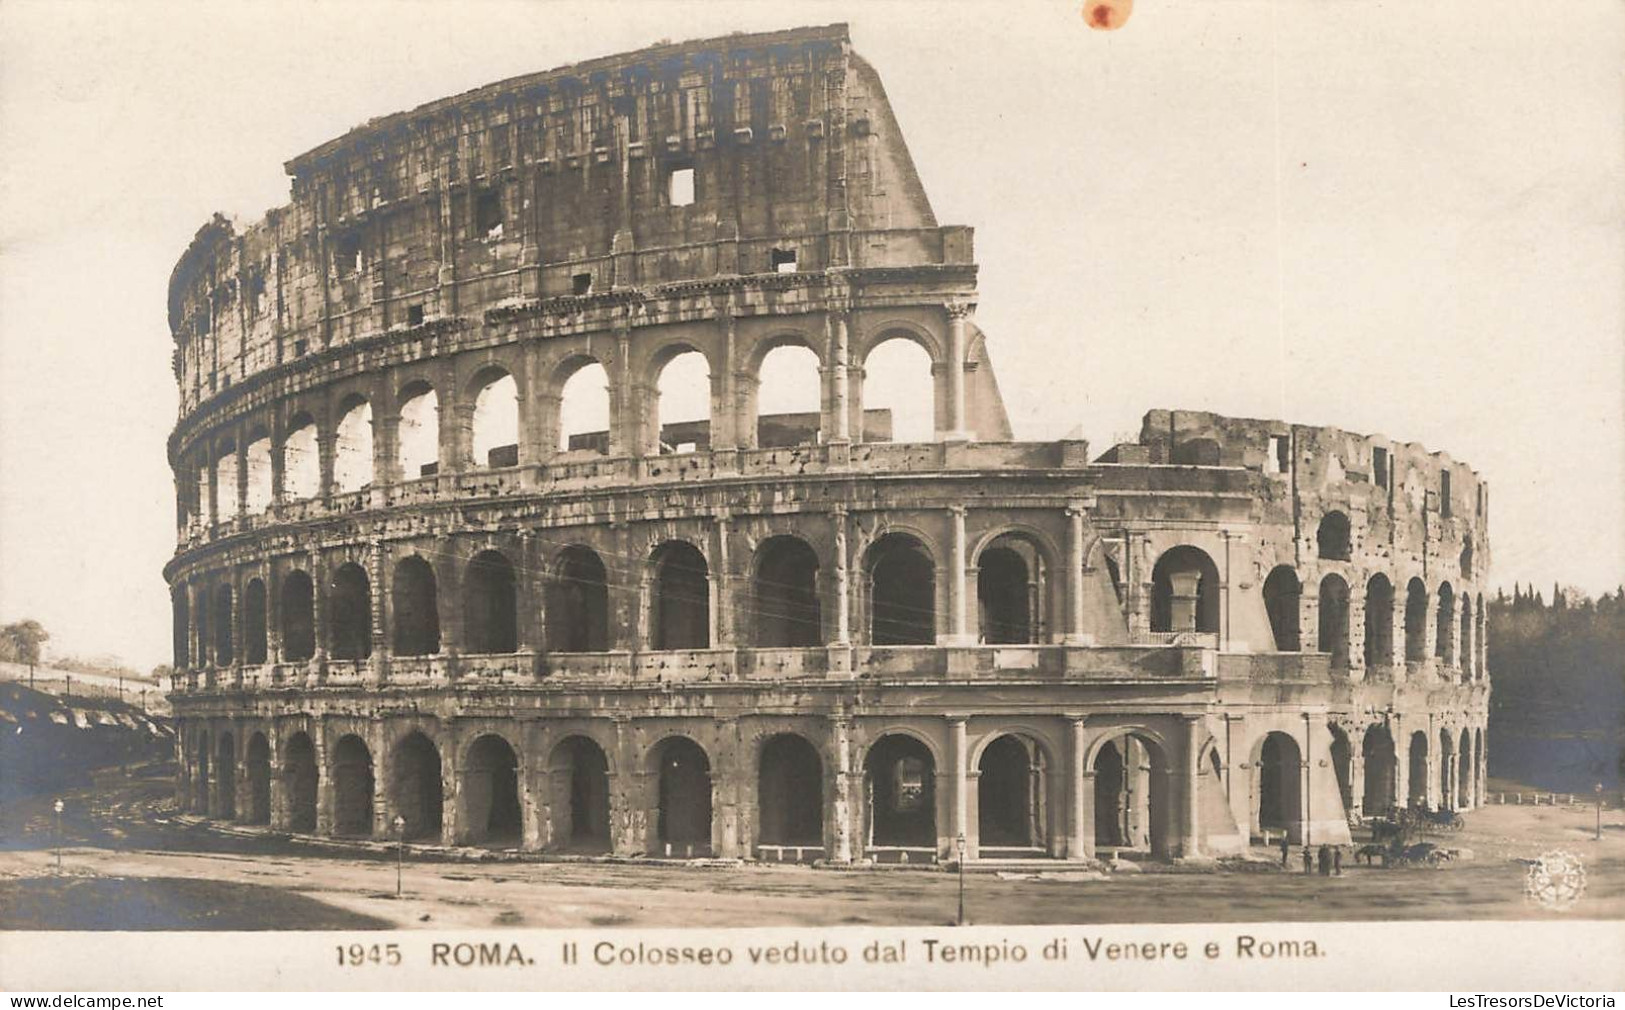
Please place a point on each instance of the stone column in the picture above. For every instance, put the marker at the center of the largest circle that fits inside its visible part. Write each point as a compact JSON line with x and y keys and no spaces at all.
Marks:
{"x":378,"y":661}
{"x":1080,"y":842}
{"x":1184,"y":591}
{"x":841,"y":812}
{"x":958,"y":594}
{"x":839,"y":423}
{"x":957,"y":312}
{"x":722,"y":619}
{"x":1189,"y":826}
{"x":961,"y":794}
{"x":843,"y":580}
{"x":1075,"y":624}
{"x":624,"y":435}
{"x":730,"y":429}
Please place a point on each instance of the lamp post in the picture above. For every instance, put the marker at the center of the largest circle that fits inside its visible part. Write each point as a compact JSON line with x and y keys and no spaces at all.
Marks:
{"x":57,"y":807}
{"x":1599,"y":811}
{"x":960,"y":844}
{"x":400,"y":851}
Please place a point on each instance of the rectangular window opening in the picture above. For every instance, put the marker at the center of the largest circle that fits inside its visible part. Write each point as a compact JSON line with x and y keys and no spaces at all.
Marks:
{"x":488,"y":214}
{"x":1280,"y":454}
{"x":414,"y":315}
{"x":784,"y":261}
{"x":1444,"y":493}
{"x":347,"y":254}
{"x":299,"y":347}
{"x":680,"y":187}
{"x":1379,"y":466}
{"x":581,"y":284}
{"x":502,"y":455}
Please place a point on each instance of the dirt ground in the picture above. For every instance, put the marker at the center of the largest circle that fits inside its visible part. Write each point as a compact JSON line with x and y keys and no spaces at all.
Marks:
{"x":125,"y":864}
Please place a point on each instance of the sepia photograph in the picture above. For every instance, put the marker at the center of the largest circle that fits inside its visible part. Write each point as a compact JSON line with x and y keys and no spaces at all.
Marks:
{"x":530,"y":494}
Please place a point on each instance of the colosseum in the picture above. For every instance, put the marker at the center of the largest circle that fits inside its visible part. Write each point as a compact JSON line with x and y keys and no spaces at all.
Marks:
{"x":415,"y":594}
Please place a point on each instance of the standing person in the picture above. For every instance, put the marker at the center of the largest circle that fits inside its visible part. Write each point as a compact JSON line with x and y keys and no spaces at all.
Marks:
{"x":1325,"y":859}
{"x":1337,"y":860}
{"x":1286,"y":847}
{"x":1308,"y":860}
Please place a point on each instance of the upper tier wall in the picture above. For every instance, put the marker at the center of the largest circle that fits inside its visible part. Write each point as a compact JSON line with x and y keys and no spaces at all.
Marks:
{"x":559,"y":183}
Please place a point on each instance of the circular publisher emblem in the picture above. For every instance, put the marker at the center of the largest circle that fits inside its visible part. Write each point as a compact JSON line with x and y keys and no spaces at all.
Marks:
{"x":1556,"y":880}
{"x":1107,"y":15}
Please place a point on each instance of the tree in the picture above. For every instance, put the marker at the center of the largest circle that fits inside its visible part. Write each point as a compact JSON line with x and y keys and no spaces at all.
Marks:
{"x":20,"y":641}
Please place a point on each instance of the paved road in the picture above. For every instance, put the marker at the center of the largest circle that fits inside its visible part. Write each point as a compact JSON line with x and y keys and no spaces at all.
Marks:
{"x":156,"y":875}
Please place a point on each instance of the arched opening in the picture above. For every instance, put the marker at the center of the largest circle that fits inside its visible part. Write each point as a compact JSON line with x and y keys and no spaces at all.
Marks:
{"x":578,"y":603}
{"x":683,"y":821}
{"x":1447,"y":760}
{"x":1185,"y":592}
{"x":787,"y":613}
{"x":1334,"y":619}
{"x":683,"y":404}
{"x":1478,"y":766}
{"x":257,"y":490}
{"x":490,"y":794}
{"x":1464,"y":773}
{"x":254,"y":630}
{"x":1381,"y":770}
{"x":221,"y":620}
{"x":415,"y":608}
{"x":418,"y":434}
{"x":902,"y":592}
{"x":787,"y":398}
{"x":416,"y":789}
{"x":1279,"y":800}
{"x":899,"y":778}
{"x":201,"y":777}
{"x":494,"y":432}
{"x":258,"y":767}
{"x":491,"y":604}
{"x":180,"y":627}
{"x":349,"y":612}
{"x":1009,"y":592}
{"x":204,"y":491}
{"x":301,"y":460}
{"x":1467,"y":560}
{"x":790,"y":793}
{"x":1416,"y":621}
{"x":1479,"y":670}
{"x":584,"y":410}
{"x":352,"y":449}
{"x":1417,"y":795}
{"x":202,"y":638}
{"x":1379,"y":622}
{"x":1282,"y":593}
{"x":1132,"y":803}
{"x":579,"y":775}
{"x":352,"y":787}
{"x":1332,"y":540}
{"x":297,"y":612}
{"x":898,"y":393}
{"x":1466,"y":654}
{"x":1343,"y":766}
{"x":225,"y":770}
{"x":1011,"y":802}
{"x":224,"y":491}
{"x":680,"y":610}
{"x":1444,"y":639}
{"x":300,"y":774}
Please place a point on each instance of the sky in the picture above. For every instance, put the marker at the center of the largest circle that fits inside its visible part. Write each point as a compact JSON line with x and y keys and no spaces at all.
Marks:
{"x":1395,"y":218}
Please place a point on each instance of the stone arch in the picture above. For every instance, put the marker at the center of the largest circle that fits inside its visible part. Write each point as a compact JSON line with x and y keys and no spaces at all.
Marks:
{"x":1466,"y":655}
{"x":489,"y":808}
{"x":352,"y":445}
{"x":415,"y":613}
{"x":578,"y":602}
{"x":255,"y":640}
{"x":221,"y":621}
{"x":257,"y":766}
{"x":223,"y":474}
{"x":349,"y":613}
{"x":416,"y":788}
{"x":784,"y":396}
{"x":1012,"y":792}
{"x":1333,"y":537}
{"x":300,"y":773}
{"x":901,"y":578}
{"x":899,"y":771}
{"x":580,"y":404}
{"x":201,"y":777}
{"x":180,"y":627}
{"x":352,"y":787}
{"x":1379,"y":622}
{"x":1381,"y":769}
{"x":1417,"y":760}
{"x":897,"y":387}
{"x":578,"y":790}
{"x":1464,"y":771}
{"x":1334,"y":618}
{"x":680,"y":597}
{"x":1133,"y":801}
{"x":297,"y":610}
{"x":785,"y":608}
{"x":257,"y":487}
{"x":1278,"y":769}
{"x":1416,"y":621}
{"x":1283,"y":594}
{"x":226,"y":776}
{"x":1444,"y":639}
{"x":673,"y":368}
{"x":683,"y":804}
{"x":494,"y":419}
{"x":789,"y":792}
{"x":1185,"y":591}
{"x":1446,"y":767}
{"x":1479,"y":785}
{"x":1012,"y":580}
{"x":490,"y":604}
{"x":1466,"y":560}
{"x":301,"y":458}
{"x":418,"y":431}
